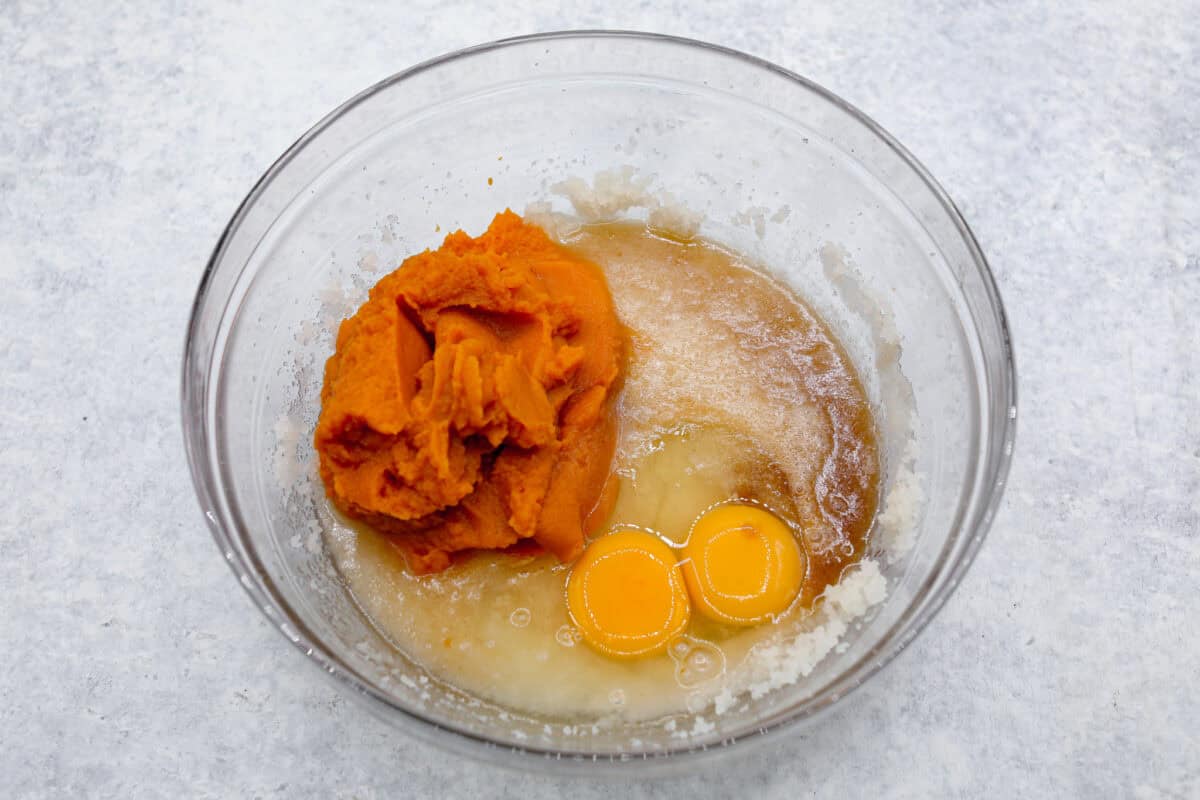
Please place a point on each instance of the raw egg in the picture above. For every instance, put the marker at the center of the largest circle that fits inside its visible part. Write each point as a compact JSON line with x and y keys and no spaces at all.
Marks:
{"x":742,"y":564}
{"x":626,"y":595}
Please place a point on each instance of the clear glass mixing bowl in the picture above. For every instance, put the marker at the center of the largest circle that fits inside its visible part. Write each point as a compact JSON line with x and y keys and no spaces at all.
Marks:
{"x":782,"y":170}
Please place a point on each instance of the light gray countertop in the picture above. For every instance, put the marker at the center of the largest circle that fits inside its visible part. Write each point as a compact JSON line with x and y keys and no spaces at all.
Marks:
{"x":1067,"y":663}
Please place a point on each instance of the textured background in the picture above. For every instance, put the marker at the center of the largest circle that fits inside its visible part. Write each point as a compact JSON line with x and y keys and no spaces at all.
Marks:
{"x":131,"y":665}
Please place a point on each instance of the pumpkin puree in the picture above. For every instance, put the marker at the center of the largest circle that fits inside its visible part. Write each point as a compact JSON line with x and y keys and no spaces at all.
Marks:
{"x":469,"y":401}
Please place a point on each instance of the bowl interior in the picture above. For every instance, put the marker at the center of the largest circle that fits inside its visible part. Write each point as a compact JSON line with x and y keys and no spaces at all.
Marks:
{"x":779,"y":170}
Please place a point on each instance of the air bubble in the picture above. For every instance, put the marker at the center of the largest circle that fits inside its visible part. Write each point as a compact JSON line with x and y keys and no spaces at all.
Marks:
{"x":699,"y":663}
{"x":567,"y":636}
{"x":520,"y":618}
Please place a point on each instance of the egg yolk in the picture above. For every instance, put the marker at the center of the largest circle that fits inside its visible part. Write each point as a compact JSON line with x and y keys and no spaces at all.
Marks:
{"x":626,"y":595}
{"x":742,"y":564}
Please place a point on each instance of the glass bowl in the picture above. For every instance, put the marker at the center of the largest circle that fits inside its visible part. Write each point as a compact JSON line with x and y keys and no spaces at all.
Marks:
{"x":781,"y":170}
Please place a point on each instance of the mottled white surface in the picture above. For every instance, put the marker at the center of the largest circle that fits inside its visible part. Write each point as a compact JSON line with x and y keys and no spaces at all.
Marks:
{"x":131,"y":665}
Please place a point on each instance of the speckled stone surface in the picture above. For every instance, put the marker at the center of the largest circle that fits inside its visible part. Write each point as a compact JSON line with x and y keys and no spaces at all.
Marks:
{"x":1067,"y":663}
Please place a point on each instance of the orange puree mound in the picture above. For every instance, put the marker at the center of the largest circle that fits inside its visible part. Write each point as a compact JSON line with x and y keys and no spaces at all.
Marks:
{"x":469,"y":401}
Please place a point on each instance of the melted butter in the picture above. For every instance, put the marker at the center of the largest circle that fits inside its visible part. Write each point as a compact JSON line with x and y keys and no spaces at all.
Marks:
{"x":734,"y":390}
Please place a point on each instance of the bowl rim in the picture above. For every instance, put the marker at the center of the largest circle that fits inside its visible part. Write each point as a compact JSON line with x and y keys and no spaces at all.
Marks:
{"x":258,"y":585}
